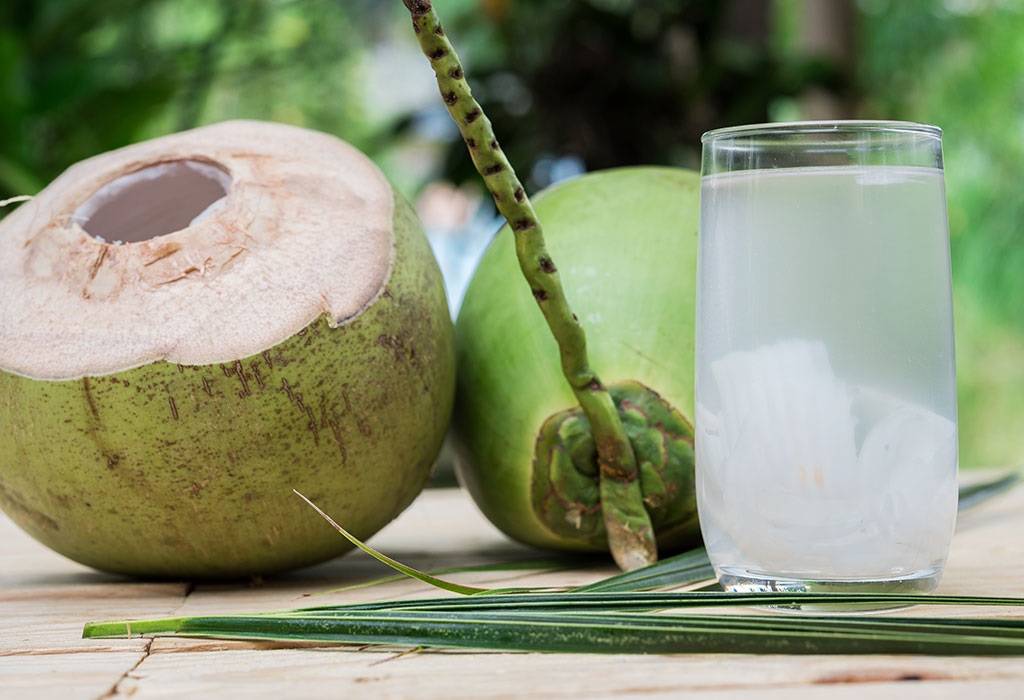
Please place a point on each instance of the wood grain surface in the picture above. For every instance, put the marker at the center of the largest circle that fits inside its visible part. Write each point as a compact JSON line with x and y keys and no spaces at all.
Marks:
{"x":45,"y":600}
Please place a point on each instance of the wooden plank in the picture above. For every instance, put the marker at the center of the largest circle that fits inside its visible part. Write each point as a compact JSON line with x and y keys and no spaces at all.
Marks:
{"x":379,"y":673}
{"x":65,"y":676}
{"x":44,"y":600}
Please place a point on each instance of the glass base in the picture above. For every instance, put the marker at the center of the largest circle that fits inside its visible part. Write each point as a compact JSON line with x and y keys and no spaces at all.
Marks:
{"x":744,"y":582}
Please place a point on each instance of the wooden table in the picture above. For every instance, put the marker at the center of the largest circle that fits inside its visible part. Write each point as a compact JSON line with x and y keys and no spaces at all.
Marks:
{"x":45,"y":600}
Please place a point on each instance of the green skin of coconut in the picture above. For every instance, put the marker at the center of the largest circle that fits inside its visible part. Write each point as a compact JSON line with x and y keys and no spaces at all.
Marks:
{"x":626,"y":242}
{"x":187,"y":471}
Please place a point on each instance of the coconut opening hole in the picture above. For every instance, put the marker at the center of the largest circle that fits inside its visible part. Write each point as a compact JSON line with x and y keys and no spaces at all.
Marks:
{"x":154,"y":201}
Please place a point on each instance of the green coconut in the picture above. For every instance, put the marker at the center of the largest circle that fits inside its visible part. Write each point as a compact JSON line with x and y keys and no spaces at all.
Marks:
{"x":194,"y":326}
{"x":626,"y":242}
{"x":615,"y":470}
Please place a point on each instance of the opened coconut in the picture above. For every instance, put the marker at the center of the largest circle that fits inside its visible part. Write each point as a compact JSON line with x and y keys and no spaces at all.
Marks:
{"x":191,"y":328}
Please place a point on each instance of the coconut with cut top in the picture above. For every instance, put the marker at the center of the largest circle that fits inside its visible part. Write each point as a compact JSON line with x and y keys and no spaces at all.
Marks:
{"x":194,"y":326}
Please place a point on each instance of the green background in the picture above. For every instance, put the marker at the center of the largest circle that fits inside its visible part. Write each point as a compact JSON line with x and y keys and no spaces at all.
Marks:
{"x":570,"y":85}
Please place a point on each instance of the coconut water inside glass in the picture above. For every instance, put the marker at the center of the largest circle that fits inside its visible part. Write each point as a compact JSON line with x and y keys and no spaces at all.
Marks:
{"x":826,"y":432}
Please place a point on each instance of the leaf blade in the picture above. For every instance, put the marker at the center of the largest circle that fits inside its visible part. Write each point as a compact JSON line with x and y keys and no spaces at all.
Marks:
{"x":974,"y":494}
{"x":398,"y":566}
{"x":629,"y":633}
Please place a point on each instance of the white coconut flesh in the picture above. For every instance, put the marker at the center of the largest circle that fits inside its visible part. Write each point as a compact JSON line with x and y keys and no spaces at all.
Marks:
{"x":196,"y":248}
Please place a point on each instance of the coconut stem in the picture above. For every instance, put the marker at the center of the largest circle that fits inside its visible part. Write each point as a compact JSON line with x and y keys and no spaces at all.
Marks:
{"x":630,"y":534}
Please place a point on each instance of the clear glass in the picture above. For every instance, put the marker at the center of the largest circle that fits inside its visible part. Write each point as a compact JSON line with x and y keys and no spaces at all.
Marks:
{"x":826,"y":429}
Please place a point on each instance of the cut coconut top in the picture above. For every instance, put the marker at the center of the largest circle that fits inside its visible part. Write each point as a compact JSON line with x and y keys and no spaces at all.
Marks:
{"x":201,"y":247}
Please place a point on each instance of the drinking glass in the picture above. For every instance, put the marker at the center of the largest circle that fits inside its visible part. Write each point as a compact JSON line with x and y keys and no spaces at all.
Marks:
{"x":826,"y":429}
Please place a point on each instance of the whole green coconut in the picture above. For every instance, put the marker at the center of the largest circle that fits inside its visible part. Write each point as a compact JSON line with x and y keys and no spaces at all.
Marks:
{"x":194,"y":326}
{"x":626,"y":243}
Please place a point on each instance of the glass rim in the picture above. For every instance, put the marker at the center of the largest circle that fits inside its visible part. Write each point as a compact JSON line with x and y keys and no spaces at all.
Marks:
{"x":833,"y":126}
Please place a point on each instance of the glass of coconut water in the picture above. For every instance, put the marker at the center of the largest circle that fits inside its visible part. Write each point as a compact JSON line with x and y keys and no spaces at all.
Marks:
{"x":826,"y":432}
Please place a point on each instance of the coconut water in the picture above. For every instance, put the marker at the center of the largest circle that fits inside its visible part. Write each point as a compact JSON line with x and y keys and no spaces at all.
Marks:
{"x":826,"y":408}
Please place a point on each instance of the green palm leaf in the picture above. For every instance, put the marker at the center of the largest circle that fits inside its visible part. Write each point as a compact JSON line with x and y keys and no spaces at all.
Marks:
{"x":974,"y":494}
{"x":622,"y":614}
{"x":608,"y":623}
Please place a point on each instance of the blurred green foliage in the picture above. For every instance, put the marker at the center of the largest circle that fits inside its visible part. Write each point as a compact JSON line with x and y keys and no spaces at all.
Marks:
{"x":79,"y":77}
{"x":597,"y":82}
{"x":959,"y":64}
{"x":624,"y":82}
